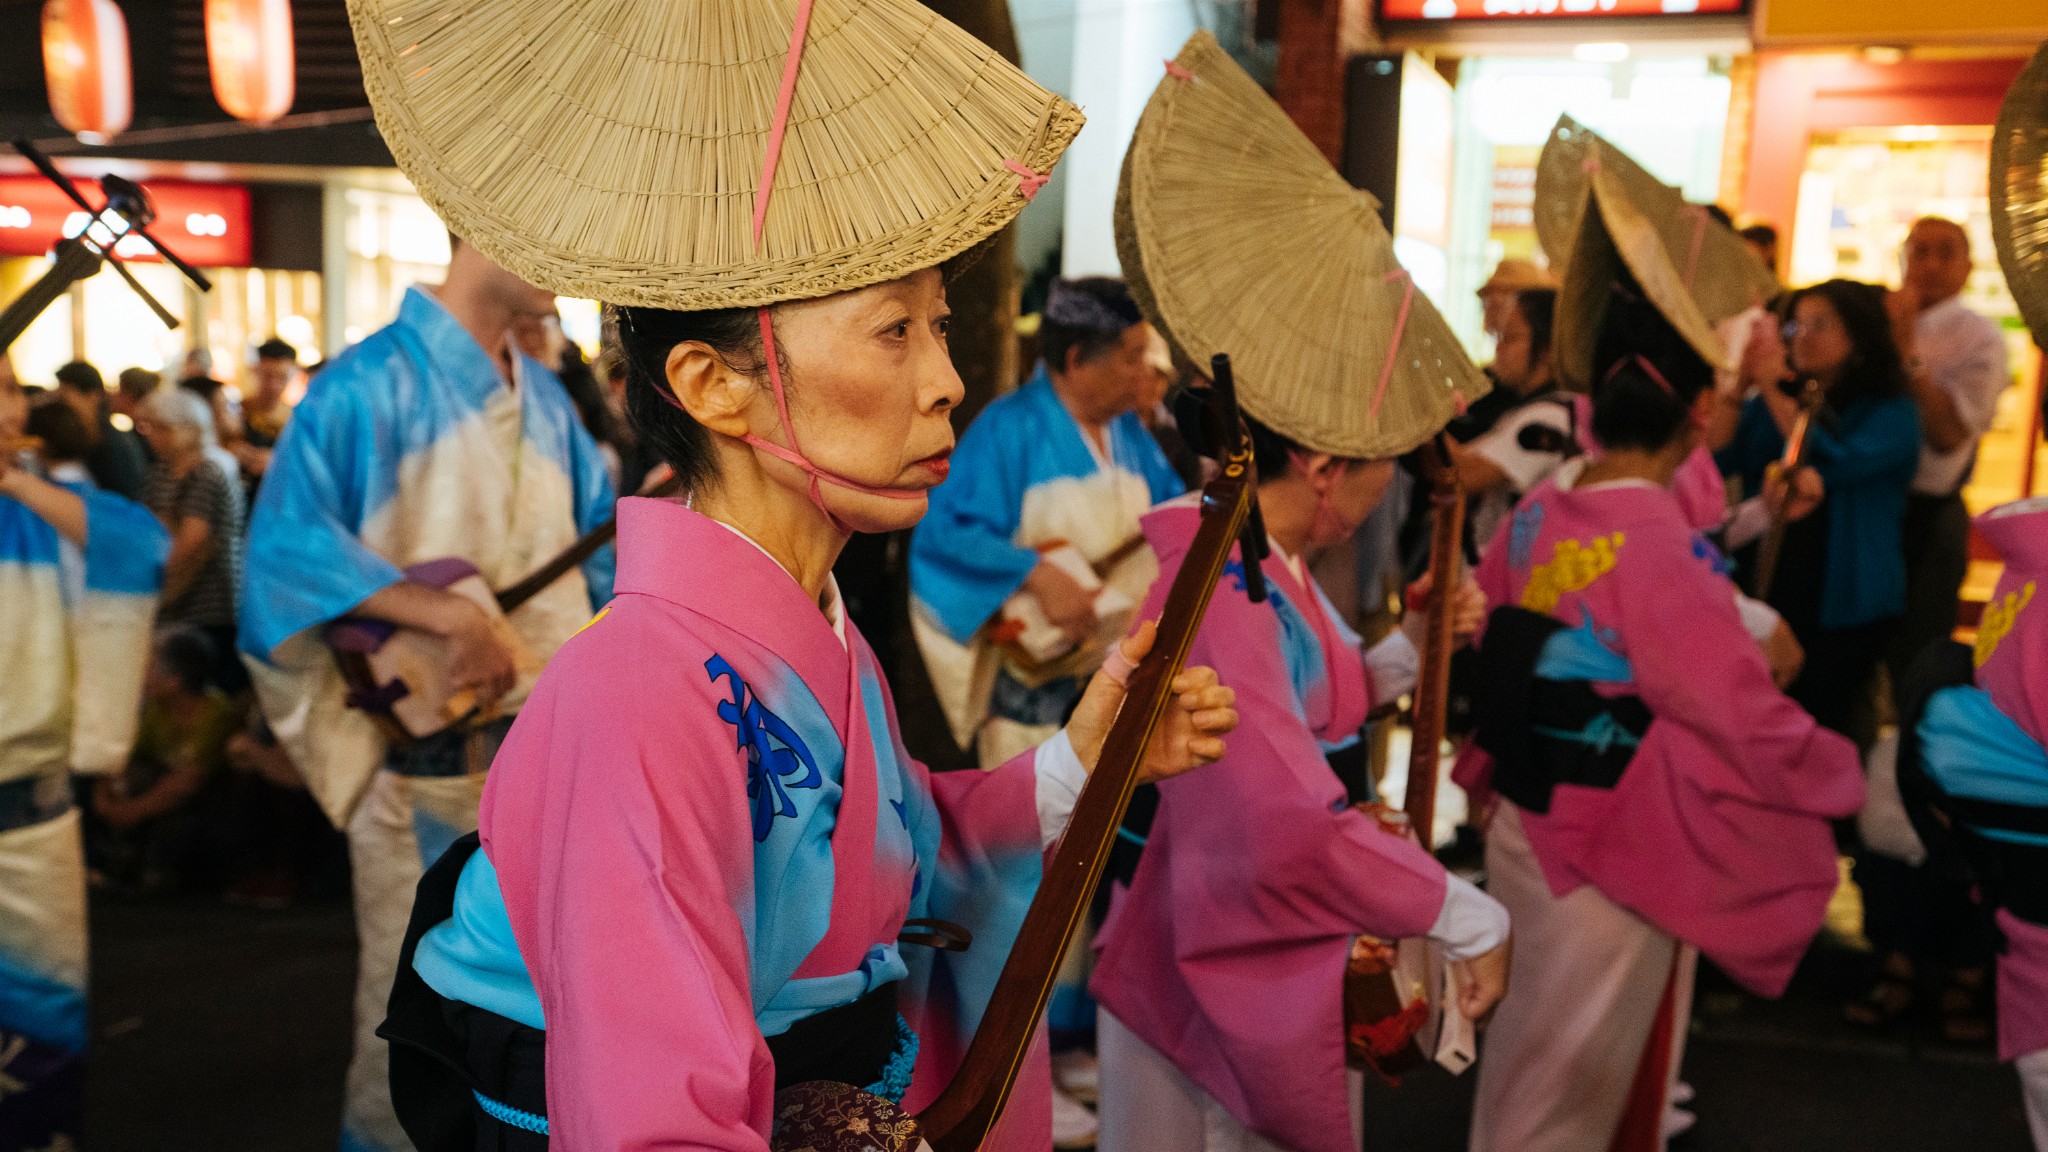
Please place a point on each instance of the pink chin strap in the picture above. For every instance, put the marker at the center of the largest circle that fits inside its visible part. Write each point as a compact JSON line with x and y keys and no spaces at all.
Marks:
{"x":1029,"y":182}
{"x":784,"y":98}
{"x":794,"y":455}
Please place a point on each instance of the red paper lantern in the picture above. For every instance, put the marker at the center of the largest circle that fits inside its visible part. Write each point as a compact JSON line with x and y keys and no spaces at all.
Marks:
{"x":85,"y":61}
{"x":249,"y":51}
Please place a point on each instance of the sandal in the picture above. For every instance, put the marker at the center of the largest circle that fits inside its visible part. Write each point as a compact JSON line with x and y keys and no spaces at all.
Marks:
{"x":1965,"y":1008}
{"x":1888,"y":999}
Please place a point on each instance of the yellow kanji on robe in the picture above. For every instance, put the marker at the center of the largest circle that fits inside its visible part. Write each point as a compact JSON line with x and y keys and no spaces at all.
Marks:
{"x":1999,"y":617}
{"x":1572,"y":566}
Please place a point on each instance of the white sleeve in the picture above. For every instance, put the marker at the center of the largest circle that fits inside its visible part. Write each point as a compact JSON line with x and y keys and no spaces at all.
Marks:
{"x":1750,"y":520}
{"x":1391,"y":668}
{"x":1759,"y":619}
{"x":1060,"y":778}
{"x":1471,"y":922}
{"x":1976,"y":378}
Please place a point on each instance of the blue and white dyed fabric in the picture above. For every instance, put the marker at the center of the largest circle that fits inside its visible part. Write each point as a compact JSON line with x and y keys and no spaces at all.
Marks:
{"x":409,"y":447}
{"x":74,"y":640}
{"x":1023,"y":477}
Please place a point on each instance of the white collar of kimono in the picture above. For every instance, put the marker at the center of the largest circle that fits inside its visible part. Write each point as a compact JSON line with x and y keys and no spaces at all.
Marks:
{"x":1293,"y":563}
{"x":835,"y":612}
{"x":1568,"y":478}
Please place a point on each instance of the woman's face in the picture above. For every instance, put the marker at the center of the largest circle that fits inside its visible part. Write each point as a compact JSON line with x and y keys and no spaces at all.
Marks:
{"x":1354,"y":493}
{"x":1820,"y":341}
{"x":871,"y":391}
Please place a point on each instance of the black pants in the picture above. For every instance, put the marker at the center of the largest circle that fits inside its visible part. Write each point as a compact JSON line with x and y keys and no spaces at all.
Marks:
{"x":1936,"y":542}
{"x":1835,"y":685}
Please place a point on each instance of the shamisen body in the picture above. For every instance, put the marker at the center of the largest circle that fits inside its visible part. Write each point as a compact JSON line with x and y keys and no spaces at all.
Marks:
{"x":702,"y":842}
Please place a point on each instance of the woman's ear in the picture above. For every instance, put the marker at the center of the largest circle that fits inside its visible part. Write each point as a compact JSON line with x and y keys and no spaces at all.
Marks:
{"x":1321,"y":469}
{"x":709,"y":389}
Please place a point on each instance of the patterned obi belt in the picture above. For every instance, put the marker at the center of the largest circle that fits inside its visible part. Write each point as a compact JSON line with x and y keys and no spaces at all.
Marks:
{"x":1538,"y":714}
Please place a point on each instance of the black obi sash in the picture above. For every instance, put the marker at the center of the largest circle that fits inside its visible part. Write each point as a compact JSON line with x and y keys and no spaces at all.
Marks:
{"x":1542,"y":732}
{"x":2010,"y":876}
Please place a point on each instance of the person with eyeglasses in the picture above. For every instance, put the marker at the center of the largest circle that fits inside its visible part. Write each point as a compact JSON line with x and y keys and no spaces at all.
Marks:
{"x":1840,"y":582}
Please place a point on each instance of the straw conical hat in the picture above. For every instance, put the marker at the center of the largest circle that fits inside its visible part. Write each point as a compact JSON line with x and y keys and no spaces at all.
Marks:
{"x":2019,"y":193}
{"x":1237,"y":236}
{"x":612,"y":149}
{"x":1696,"y":270}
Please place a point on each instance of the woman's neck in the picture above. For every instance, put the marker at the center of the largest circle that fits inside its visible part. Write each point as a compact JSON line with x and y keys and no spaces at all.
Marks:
{"x":1289,"y":508}
{"x":793,"y":531}
{"x":1637,"y":464}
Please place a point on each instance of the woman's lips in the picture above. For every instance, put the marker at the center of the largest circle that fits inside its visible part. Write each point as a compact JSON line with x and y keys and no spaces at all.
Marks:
{"x":939,"y":464}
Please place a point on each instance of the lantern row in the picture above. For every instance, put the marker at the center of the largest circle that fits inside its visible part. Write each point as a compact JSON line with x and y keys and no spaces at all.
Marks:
{"x":85,"y":61}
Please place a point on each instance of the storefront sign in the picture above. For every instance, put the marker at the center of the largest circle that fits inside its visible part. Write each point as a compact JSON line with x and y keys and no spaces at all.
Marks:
{"x":1541,"y":9}
{"x":205,"y":224}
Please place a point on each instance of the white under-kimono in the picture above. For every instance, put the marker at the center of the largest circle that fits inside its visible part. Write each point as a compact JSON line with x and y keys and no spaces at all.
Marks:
{"x":74,"y":640}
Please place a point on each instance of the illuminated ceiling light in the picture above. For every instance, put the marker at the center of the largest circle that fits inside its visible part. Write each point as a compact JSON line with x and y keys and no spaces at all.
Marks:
{"x":249,"y":52}
{"x":1601,"y":52}
{"x":85,"y":61}
{"x":1883,"y":54}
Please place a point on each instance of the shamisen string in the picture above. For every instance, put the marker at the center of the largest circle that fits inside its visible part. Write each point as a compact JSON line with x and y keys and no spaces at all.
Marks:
{"x":1029,"y":182}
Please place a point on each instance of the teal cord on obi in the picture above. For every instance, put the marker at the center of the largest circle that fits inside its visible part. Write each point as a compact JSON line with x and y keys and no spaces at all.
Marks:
{"x":514,"y":1117}
{"x":895,"y":1081}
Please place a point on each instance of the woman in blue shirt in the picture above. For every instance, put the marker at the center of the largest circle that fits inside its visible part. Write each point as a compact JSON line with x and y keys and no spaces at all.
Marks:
{"x":1841,"y":575}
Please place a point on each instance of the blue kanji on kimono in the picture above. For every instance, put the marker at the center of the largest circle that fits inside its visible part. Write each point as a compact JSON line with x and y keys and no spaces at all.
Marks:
{"x":774,"y":750}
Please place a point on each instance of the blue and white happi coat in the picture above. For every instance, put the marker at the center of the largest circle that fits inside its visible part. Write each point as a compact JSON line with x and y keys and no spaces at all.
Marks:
{"x":1024,"y":477}
{"x":409,"y":447}
{"x":74,"y":642}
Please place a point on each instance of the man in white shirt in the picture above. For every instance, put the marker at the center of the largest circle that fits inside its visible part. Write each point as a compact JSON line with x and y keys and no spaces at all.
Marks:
{"x":1956,"y":364}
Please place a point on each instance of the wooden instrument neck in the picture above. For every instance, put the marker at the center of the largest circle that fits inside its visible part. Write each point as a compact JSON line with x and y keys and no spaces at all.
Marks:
{"x":963,"y":1115}
{"x":1432,"y":685}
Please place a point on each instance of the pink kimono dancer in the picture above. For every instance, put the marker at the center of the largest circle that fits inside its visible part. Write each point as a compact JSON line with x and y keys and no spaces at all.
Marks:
{"x":655,"y":822}
{"x":1716,"y":835}
{"x":2011,"y":659}
{"x":1220,"y":971}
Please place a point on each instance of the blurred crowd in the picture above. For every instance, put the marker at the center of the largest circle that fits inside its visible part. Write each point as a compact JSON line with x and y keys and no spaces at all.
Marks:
{"x":210,"y":803}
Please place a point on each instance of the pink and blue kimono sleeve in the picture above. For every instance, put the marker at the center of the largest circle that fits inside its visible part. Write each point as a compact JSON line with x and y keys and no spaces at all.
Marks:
{"x":623,"y":873}
{"x":1696,"y":666}
{"x":988,"y":868}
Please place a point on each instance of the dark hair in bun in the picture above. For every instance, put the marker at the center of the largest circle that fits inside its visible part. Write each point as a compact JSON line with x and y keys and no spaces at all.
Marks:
{"x":1646,"y":376}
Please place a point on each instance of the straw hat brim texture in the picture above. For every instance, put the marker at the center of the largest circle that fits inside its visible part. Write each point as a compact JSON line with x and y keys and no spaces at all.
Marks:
{"x":1236,"y":236}
{"x":612,"y":149}
{"x":1613,"y":234}
{"x":2019,"y":193}
{"x":1716,"y":268}
{"x":1598,"y":211}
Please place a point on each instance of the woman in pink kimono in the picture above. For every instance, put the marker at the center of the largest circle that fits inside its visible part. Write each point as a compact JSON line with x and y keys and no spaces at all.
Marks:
{"x":1659,"y":792}
{"x":706,"y":868}
{"x":1221,"y":968}
{"x":1973,"y":746}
